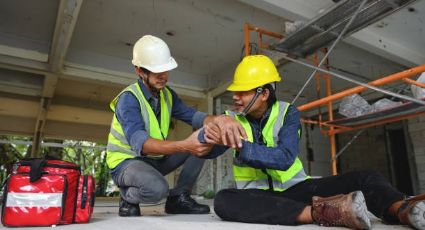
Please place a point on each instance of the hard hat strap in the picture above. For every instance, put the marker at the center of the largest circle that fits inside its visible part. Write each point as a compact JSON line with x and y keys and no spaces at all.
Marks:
{"x":258,"y":91}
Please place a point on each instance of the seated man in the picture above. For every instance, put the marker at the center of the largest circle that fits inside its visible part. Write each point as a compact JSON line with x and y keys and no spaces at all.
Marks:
{"x":272,"y":187}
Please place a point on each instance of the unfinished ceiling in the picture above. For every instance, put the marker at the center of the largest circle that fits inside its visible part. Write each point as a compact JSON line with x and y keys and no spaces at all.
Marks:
{"x":61,"y":62}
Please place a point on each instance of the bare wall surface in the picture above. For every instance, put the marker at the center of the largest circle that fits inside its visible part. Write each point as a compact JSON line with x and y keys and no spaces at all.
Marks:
{"x":417,"y":136}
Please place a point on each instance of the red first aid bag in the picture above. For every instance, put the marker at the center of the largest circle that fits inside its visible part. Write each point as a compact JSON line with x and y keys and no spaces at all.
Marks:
{"x":85,"y":199}
{"x":43,"y":192}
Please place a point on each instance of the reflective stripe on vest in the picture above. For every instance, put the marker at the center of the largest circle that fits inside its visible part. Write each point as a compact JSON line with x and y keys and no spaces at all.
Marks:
{"x":247,"y":177}
{"x":118,"y":148}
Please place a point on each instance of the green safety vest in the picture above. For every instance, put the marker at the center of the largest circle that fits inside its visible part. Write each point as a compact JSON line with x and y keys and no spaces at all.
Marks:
{"x":118,"y":148}
{"x":247,"y":177}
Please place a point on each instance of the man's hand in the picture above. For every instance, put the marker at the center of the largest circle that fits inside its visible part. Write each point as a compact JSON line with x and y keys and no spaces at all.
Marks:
{"x":196,"y":148}
{"x":225,"y":130}
{"x":212,"y":134}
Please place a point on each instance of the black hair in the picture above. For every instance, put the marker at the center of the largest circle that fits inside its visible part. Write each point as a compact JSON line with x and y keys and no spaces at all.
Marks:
{"x":146,"y":71}
{"x":272,"y":95}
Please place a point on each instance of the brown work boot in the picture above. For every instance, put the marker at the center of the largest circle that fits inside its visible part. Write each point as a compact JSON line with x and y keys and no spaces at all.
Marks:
{"x":341,"y":210}
{"x":412,"y":212}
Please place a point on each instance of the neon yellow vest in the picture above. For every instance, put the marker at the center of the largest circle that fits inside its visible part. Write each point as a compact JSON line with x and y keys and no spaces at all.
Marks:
{"x":118,"y":148}
{"x":247,"y":177}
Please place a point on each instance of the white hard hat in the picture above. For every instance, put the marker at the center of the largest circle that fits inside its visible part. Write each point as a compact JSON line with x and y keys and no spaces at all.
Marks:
{"x":153,"y":54}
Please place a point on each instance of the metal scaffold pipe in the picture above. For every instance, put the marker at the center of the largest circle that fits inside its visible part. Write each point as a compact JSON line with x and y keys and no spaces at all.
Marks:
{"x":357,"y":89}
{"x":330,"y":49}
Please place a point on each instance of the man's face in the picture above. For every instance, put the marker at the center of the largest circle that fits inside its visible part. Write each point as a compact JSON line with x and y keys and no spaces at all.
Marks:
{"x":158,"y":80}
{"x":241,"y":100}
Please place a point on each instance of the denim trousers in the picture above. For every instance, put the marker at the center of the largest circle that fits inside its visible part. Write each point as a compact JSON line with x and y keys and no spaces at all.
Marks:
{"x":141,"y":179}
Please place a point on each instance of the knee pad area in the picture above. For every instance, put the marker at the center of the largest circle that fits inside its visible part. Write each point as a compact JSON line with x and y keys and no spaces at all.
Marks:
{"x":154,"y":192}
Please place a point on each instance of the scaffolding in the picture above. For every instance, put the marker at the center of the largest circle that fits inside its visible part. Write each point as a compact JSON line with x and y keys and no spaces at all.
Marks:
{"x":348,"y":17}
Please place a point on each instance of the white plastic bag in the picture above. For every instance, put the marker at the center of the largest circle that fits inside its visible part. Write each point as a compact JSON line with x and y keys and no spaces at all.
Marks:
{"x":383,"y":104}
{"x":354,"y":106}
{"x":419,"y":92}
{"x":292,"y":27}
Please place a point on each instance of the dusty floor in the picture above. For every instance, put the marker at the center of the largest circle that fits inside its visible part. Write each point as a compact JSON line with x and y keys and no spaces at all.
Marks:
{"x":105,"y":217}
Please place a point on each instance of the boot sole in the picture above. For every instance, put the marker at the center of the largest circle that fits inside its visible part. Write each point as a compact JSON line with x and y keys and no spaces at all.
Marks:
{"x":417,"y":215}
{"x":170,"y":211}
{"x":187,"y":212}
{"x":360,"y":210}
{"x":126,"y":215}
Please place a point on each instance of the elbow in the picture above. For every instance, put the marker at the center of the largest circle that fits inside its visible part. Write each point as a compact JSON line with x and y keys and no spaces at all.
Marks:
{"x":283,"y":164}
{"x":283,"y":167}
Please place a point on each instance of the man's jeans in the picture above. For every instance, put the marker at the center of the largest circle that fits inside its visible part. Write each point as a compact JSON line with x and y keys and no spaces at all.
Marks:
{"x":269,"y":207}
{"x":141,"y":179}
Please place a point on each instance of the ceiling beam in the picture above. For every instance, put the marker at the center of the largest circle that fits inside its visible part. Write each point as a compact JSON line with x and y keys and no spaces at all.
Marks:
{"x":73,"y":70}
{"x":47,"y":93}
{"x":23,"y":108}
{"x":23,"y":53}
{"x":24,"y":65}
{"x":79,"y":115}
{"x":77,"y":131}
{"x":39,"y":126}
{"x":49,"y":85}
{"x":65,"y":24}
{"x":14,"y":125}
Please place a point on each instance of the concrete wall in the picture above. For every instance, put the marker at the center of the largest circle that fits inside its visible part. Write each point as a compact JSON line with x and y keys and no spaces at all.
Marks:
{"x":319,"y":165}
{"x":416,"y":131}
{"x":367,"y":152}
{"x":370,"y":151}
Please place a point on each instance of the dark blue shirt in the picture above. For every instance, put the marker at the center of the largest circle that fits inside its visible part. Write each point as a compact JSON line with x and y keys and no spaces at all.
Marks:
{"x":257,"y":154}
{"x":129,"y":115}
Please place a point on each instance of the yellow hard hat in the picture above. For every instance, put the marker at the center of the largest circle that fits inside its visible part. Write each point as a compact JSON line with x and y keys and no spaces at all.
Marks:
{"x":254,"y":71}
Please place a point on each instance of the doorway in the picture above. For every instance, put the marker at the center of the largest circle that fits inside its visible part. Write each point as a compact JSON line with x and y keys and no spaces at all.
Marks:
{"x":399,"y":160}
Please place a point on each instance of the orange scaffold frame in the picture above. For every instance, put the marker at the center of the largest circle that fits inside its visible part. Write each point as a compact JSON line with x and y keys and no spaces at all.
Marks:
{"x":330,"y":129}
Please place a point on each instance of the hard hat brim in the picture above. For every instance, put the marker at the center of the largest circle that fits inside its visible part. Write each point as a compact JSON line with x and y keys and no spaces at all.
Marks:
{"x":172,"y":64}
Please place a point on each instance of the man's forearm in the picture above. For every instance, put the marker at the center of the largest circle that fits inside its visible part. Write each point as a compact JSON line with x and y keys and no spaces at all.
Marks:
{"x":190,"y":144}
{"x":159,"y":147}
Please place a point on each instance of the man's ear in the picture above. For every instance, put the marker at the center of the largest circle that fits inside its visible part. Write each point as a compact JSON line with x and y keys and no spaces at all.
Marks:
{"x":139,"y":72}
{"x":265,"y":95}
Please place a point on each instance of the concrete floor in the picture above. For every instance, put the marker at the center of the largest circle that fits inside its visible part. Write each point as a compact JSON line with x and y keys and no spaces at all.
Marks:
{"x":105,"y":217}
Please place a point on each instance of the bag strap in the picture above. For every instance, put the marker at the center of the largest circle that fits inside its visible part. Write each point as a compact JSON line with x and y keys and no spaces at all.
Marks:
{"x":36,"y":166}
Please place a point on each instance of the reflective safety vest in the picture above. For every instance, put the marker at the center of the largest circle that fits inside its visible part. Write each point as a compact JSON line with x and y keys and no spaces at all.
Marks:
{"x":247,"y":177}
{"x":118,"y":148}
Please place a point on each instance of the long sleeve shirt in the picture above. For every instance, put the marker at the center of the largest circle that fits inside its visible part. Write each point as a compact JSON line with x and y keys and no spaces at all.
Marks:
{"x":257,"y":154}
{"x":129,"y":115}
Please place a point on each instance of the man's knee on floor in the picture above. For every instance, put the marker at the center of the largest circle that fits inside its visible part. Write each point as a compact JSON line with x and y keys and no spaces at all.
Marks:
{"x":221,"y":202}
